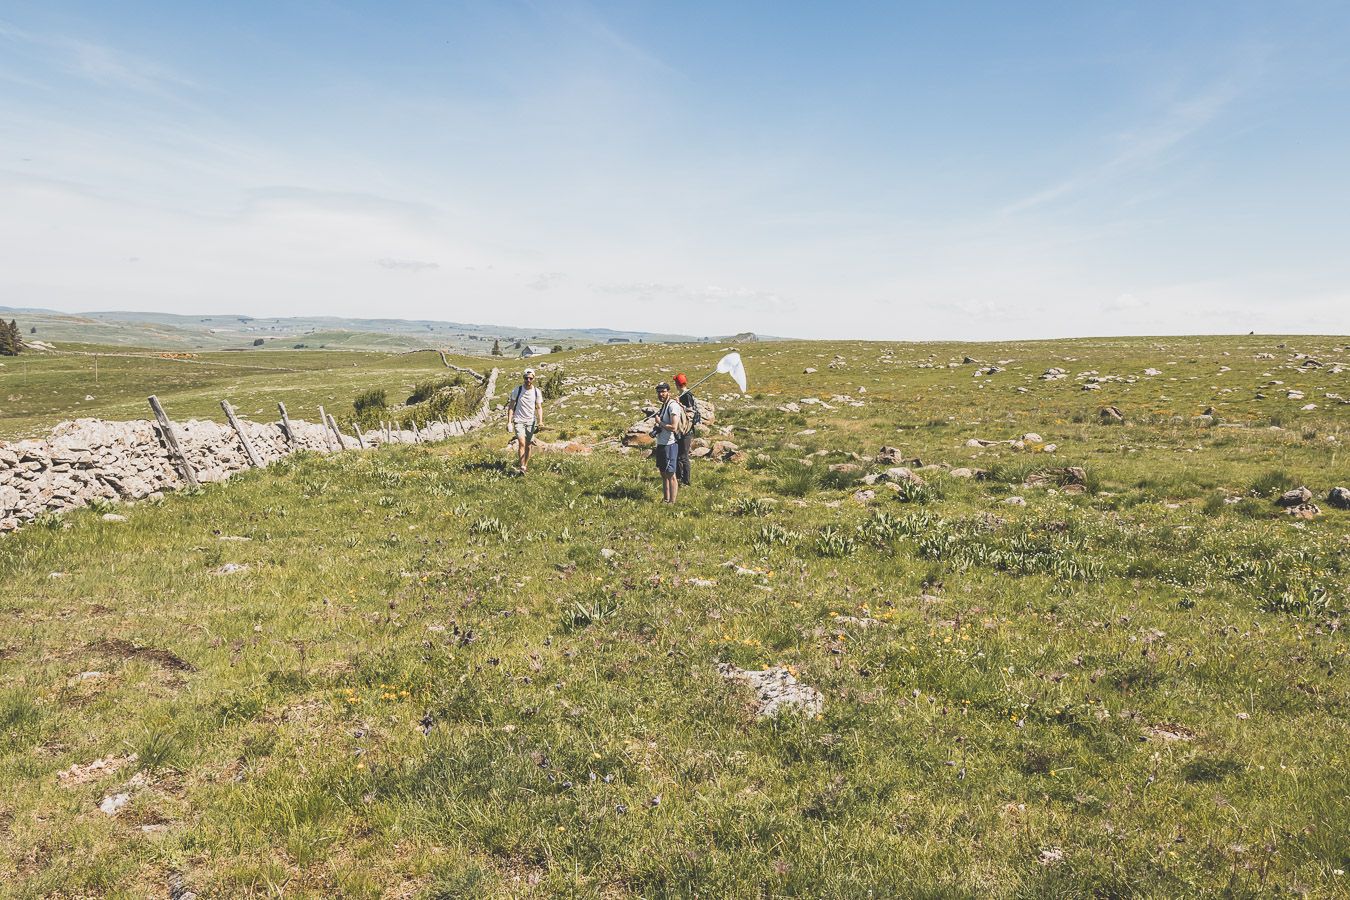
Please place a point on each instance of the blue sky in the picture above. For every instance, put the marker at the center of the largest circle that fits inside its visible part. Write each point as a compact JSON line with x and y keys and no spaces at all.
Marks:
{"x":902,"y":171}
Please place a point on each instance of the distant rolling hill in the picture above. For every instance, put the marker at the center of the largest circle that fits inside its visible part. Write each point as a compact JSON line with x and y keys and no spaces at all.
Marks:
{"x":218,"y":332}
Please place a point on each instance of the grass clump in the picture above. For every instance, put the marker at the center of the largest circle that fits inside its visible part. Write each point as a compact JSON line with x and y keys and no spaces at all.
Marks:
{"x":797,"y":479}
{"x":1272,"y":483}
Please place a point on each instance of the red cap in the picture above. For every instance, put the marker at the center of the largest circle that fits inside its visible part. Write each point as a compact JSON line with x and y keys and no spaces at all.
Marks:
{"x":681,"y":380}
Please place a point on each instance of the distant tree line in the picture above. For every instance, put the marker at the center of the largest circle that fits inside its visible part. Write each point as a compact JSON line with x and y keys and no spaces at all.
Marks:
{"x":10,"y":341}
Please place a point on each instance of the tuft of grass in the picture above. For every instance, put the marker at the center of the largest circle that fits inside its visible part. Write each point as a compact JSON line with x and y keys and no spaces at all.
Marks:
{"x":797,"y":479}
{"x":159,"y":748}
{"x":1272,"y":482}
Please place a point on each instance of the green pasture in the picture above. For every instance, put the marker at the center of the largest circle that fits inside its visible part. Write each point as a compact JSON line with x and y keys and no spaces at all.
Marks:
{"x":408,"y":672}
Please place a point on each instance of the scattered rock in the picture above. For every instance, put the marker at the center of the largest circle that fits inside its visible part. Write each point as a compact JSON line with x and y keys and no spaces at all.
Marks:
{"x":889,"y":455}
{"x":1054,"y":374}
{"x":178,"y":889}
{"x":113,"y":517}
{"x":1152,"y":372}
{"x":113,"y":803}
{"x":1050,"y":856}
{"x":900,"y":473}
{"x":864,"y":496}
{"x":1032,"y":437}
{"x":1015,"y":501}
{"x":808,"y":371}
{"x":229,"y":569}
{"x":776,"y":691}
{"x":1111,"y":415}
{"x":1339,"y":497}
{"x":1296,"y":497}
{"x":1304,"y":511}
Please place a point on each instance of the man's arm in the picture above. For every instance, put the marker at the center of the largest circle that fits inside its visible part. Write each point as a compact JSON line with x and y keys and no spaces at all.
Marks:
{"x":539,"y":409}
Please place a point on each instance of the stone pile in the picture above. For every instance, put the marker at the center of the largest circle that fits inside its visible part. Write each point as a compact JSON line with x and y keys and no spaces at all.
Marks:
{"x":88,"y":460}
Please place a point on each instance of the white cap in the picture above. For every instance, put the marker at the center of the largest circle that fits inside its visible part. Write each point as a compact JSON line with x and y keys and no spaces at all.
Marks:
{"x":529,"y":371}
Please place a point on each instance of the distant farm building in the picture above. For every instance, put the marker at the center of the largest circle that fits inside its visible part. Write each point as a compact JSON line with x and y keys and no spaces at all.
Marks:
{"x":534,"y":351}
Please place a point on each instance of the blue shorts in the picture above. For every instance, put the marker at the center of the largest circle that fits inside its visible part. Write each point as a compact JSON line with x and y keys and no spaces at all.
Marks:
{"x":666,"y":455}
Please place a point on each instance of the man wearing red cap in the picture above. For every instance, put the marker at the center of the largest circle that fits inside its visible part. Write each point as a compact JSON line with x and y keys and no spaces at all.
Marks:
{"x":686,"y":442}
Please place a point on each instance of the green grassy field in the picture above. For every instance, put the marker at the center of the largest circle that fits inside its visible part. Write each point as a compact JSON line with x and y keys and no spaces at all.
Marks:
{"x":427,"y":680}
{"x":37,"y":390}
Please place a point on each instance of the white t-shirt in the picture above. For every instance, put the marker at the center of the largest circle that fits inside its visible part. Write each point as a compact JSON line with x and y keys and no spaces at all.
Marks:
{"x":524,"y":404}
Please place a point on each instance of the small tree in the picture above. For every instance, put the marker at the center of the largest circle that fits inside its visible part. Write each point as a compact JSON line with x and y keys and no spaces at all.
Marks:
{"x":496,"y":348}
{"x":258,"y":342}
{"x":557,"y":348}
{"x":10,"y":341}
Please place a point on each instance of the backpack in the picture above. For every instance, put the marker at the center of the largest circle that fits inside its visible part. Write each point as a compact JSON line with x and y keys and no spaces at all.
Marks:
{"x":682,"y":421}
{"x":693,"y":409}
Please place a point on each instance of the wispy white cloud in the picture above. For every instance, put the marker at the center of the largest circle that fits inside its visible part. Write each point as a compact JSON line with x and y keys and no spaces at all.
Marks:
{"x":546,"y":280}
{"x":406,"y":265}
{"x":100,"y":63}
{"x":712,"y":295}
{"x":1142,"y":146}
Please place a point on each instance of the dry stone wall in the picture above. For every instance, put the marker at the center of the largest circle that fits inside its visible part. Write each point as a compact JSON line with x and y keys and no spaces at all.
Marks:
{"x":89,"y":459}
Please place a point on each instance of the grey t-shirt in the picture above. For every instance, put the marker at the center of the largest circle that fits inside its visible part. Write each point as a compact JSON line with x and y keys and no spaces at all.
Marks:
{"x":523,"y":402}
{"x":670,"y":415}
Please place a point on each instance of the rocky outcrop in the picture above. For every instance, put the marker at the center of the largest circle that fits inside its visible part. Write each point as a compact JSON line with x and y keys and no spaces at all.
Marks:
{"x":89,"y":460}
{"x":776,"y":691}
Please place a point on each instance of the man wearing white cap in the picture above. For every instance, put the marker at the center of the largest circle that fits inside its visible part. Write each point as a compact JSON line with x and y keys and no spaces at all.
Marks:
{"x":525,"y":416}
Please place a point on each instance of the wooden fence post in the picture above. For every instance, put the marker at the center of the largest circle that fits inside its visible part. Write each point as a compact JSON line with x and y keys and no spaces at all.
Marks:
{"x":171,"y":440}
{"x":342,"y":444}
{"x":327,"y":438}
{"x":286,"y":424}
{"x":239,"y":430}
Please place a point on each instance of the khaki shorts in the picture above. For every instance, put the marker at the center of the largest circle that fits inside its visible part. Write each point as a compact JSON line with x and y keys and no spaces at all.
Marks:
{"x":525,"y":432}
